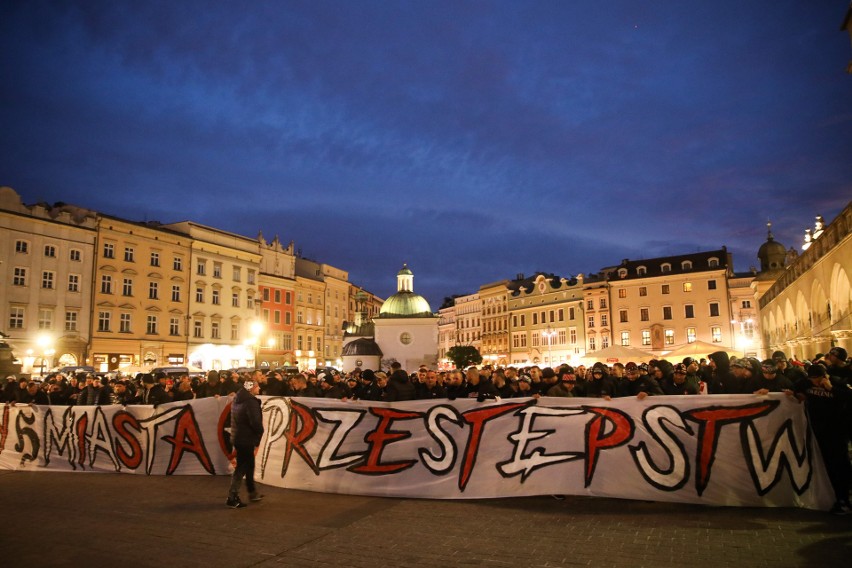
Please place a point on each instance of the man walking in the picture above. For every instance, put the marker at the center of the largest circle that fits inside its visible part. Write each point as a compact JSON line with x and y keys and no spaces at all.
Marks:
{"x":246,"y":432}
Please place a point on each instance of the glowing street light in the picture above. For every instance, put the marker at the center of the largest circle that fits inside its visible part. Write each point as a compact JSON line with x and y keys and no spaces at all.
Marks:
{"x":549,"y":333}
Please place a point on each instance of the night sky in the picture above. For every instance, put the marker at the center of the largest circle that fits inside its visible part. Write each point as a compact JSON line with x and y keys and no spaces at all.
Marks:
{"x":472,"y":140}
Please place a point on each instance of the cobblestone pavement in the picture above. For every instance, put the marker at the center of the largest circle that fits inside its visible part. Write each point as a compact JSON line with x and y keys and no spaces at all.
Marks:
{"x":79,"y":519}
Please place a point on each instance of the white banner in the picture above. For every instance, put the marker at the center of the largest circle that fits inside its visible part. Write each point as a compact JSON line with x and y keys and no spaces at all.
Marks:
{"x":737,"y":450}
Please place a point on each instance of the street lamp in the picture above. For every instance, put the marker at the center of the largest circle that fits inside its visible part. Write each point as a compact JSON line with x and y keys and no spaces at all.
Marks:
{"x":742,"y":340}
{"x":256,"y":331}
{"x":549,"y":333}
{"x":44,"y":343}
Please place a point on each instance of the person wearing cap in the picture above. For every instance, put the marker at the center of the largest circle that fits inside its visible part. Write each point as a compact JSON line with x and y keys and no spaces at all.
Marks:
{"x":838,"y":365}
{"x":680,"y":382}
{"x":151,"y":392}
{"x":95,"y":394}
{"x":246,"y":433}
{"x":826,"y":401}
{"x":642,"y":386}
{"x":770,"y":380}
{"x":792,"y":372}
{"x":601,"y":385}
{"x":523,"y":388}
{"x":567,"y":382}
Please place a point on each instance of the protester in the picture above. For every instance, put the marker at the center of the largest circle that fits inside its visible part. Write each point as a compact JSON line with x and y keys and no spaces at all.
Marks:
{"x":246,"y":432}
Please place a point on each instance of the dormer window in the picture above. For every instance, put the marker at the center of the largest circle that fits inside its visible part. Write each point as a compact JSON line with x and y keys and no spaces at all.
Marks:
{"x":686,"y":265}
{"x":622,"y":273}
{"x":641,"y":271}
{"x":665,"y":267}
{"x":713,"y":262}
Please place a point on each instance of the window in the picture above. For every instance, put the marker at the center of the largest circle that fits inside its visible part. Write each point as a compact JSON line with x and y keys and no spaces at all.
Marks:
{"x":523,"y":320}
{"x":690,"y":335}
{"x":669,"y":337}
{"x":153,"y":291}
{"x":50,"y":251}
{"x":591,"y":321}
{"x":128,"y":254}
{"x":106,"y":284}
{"x":590,"y":305}
{"x":641,"y":271}
{"x":45,"y":318}
{"x":22,"y":247}
{"x":665,"y":267}
{"x":604,"y":342}
{"x":643,"y":291}
{"x":300,"y":317}
{"x":265,"y":315}
{"x":746,"y":303}
{"x":47,"y":280}
{"x":551,"y":315}
{"x":214,"y":330}
{"x":686,"y":265}
{"x":155,"y":259}
{"x":177,"y":264}
{"x":151,"y":325}
{"x":604,"y":320}
{"x":73,"y":282}
{"x":625,"y":339}
{"x":298,"y":342}
{"x":287,"y":318}
{"x":174,"y":326}
{"x":646,"y":337}
{"x":201,"y":268}
{"x":276,"y":316}
{"x":287,"y":298}
{"x":104,"y":321}
{"x":622,"y":316}
{"x":713,"y":263}
{"x":70,"y":321}
{"x":199,"y":295}
{"x":711,"y":284}
{"x":217,"y":270}
{"x":748,"y":329}
{"x":75,"y":255}
{"x":689,"y":311}
{"x":16,"y":318}
{"x":622,"y":273}
{"x":687,"y":286}
{"x":572,"y":334}
{"x":278,"y":299}
{"x":667,"y":312}
{"x":235,"y":332}
{"x":535,"y":318}
{"x":643,"y":314}
{"x":266,"y":294}
{"x":235,"y":300}
{"x":622,"y":293}
{"x":603,"y":303}
{"x":570,"y":313}
{"x":716,"y":333}
{"x":561,"y":314}
{"x":665,"y":289}
{"x":535,"y":340}
{"x":251,"y":276}
{"x":560,"y":337}
{"x":197,"y":330}
{"x":127,"y":287}
{"x":124,"y":323}
{"x":175,"y":293}
{"x":237,"y":274}
{"x":19,"y":278}
{"x":215,"y":298}
{"x":109,"y":250}
{"x":591,"y":344}
{"x":714,"y":309}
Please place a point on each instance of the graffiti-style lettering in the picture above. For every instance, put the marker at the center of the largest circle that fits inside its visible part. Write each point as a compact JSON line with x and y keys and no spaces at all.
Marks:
{"x":525,"y":463}
{"x":343,"y":421}
{"x":766,"y":469}
{"x":446,"y":460}
{"x":597,"y":439}
{"x":711,"y":420}
{"x":658,"y":420}
{"x":187,"y":438}
{"x":380,"y":438}
{"x":101,"y":439}
{"x":123,"y":422}
{"x":303,"y":426}
{"x":477,"y":420}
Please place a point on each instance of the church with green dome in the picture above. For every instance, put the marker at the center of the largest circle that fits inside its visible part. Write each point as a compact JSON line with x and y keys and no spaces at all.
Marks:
{"x":406,"y":331}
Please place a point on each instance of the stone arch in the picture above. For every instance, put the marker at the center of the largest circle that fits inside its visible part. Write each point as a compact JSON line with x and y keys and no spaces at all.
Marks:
{"x":840,"y":294}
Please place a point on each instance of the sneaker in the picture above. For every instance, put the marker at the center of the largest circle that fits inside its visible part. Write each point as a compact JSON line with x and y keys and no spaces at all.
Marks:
{"x":840,"y":509}
{"x":235,"y":503}
{"x":255,"y":496}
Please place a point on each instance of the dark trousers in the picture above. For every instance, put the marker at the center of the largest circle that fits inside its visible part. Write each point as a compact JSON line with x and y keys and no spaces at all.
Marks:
{"x":245,"y":468}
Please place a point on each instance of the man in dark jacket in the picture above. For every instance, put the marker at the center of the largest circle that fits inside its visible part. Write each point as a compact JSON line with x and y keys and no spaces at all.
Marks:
{"x":95,"y":394}
{"x":399,"y":387}
{"x":246,"y":432}
{"x":151,"y":392}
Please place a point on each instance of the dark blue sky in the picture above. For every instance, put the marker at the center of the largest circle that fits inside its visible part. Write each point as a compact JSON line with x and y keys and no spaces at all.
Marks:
{"x":472,"y":140}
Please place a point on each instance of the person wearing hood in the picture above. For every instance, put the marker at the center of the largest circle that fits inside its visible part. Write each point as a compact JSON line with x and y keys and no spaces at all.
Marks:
{"x":642,"y":386}
{"x":246,"y":432}
{"x":601,"y":385}
{"x":771,"y":379}
{"x":399,"y":387}
{"x":720,"y":379}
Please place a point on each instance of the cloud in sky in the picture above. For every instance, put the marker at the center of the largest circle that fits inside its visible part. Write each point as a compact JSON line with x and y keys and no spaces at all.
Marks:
{"x":472,"y":140}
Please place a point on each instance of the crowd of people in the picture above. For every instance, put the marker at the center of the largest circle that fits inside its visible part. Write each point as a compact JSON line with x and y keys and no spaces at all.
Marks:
{"x":823,"y":384}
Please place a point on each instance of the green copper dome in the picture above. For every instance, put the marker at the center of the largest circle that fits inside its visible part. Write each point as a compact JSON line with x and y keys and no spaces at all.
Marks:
{"x":405,"y":304}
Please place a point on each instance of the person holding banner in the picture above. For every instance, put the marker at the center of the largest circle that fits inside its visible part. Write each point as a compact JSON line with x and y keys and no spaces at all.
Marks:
{"x":246,"y":432}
